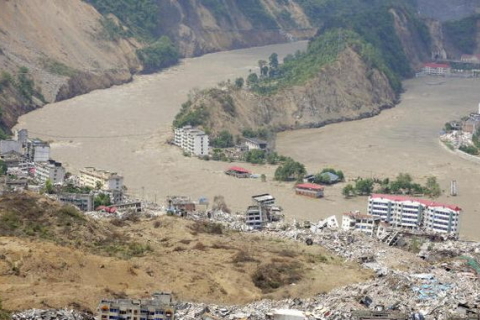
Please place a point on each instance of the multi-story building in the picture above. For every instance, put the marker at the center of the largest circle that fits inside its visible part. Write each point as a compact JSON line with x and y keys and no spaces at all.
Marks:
{"x":414,"y":213}
{"x":362,"y":222}
{"x":7,"y":146}
{"x":159,"y":307}
{"x":50,"y":170}
{"x":83,"y":201}
{"x":436,"y":69}
{"x":192,"y":140}
{"x":256,"y":217}
{"x":92,"y":177}
{"x":37,"y":150}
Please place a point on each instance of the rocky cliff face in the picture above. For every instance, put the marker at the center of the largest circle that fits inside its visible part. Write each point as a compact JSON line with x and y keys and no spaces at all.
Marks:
{"x":199,"y":29}
{"x":348,"y":89}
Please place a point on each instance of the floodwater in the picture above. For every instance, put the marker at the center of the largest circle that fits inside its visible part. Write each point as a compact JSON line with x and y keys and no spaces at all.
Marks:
{"x":125,"y":129}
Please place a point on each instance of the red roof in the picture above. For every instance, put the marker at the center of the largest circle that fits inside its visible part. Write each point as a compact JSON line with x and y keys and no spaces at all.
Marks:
{"x":427,"y":203}
{"x":311,"y":186}
{"x":436,"y":65}
{"x":238,"y":169}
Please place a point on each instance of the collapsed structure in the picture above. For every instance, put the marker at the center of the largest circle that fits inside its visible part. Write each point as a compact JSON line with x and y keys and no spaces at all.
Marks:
{"x":159,"y":307}
{"x":262,"y":211}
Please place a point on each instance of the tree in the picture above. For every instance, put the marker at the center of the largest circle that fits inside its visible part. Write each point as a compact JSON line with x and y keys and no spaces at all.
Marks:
{"x":239,"y":82}
{"x":98,"y":185}
{"x":252,"y":79}
{"x":322,"y":178}
{"x":255,"y":156}
{"x":263,"y":177}
{"x":49,"y":187}
{"x":102,"y":199}
{"x":273,"y":61}
{"x":290,"y":170}
{"x":340,"y":175}
{"x":160,"y":54}
{"x":348,"y":191}
{"x":264,"y":71}
{"x":223,"y":140}
{"x":364,"y":186}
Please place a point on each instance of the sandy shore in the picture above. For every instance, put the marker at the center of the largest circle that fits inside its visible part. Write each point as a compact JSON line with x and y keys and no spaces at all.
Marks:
{"x":124,"y":129}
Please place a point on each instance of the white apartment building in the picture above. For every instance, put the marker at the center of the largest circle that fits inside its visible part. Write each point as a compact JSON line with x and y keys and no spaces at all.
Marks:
{"x":192,"y":140}
{"x":362,"y":222}
{"x":91,"y":177}
{"x":50,"y":170}
{"x":413,"y":213}
{"x":38,"y":151}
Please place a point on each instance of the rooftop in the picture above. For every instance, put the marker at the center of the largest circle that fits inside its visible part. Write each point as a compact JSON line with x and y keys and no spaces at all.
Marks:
{"x":238,"y":169}
{"x":263,"y":197}
{"x":310,"y":186}
{"x":436,"y":65}
{"x":256,"y":141}
{"x":427,"y":203}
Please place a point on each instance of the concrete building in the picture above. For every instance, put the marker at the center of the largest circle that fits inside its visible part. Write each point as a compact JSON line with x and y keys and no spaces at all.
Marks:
{"x":436,"y":69}
{"x":192,"y":140}
{"x":362,"y":222}
{"x":413,"y":213}
{"x":83,"y":201}
{"x":37,"y":150}
{"x":470,"y":58}
{"x":255,"y":144}
{"x":7,"y":146}
{"x":91,"y":177}
{"x":159,"y":307}
{"x":51,"y":169}
{"x":21,"y":136}
{"x":256,"y":217}
{"x":309,"y":189}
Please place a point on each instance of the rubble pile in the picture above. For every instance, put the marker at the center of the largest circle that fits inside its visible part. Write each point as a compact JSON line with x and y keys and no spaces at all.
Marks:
{"x":61,"y":314}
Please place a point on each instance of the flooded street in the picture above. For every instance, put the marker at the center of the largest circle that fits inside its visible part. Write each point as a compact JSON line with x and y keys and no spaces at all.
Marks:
{"x":125,"y":129}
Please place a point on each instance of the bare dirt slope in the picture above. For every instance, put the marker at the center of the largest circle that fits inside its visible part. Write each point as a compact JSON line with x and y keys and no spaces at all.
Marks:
{"x":196,"y":261}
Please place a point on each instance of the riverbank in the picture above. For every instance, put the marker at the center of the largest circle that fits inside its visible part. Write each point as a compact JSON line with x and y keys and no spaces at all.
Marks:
{"x":125,"y":129}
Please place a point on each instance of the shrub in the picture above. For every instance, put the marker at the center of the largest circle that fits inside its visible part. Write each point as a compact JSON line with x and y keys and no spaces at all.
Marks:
{"x":274,"y":275}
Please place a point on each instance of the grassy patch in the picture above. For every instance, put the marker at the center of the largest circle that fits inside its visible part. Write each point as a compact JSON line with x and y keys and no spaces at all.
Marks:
{"x":276,"y":274}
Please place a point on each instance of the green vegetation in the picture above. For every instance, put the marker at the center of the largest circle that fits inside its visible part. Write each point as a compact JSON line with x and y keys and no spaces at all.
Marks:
{"x":262,"y":133}
{"x":102,"y":199}
{"x":324,"y":178}
{"x":257,"y":14}
{"x":140,"y":16}
{"x":470,"y":150}
{"x":223,"y":140}
{"x":290,"y":170}
{"x":462,"y":33}
{"x":58,"y":68}
{"x":255,"y":156}
{"x":322,"y":51}
{"x":188,"y":116}
{"x":403,"y":185}
{"x":3,"y":167}
{"x":160,"y":54}
{"x":6,"y":80}
{"x":239,"y":82}
{"x":4,"y":314}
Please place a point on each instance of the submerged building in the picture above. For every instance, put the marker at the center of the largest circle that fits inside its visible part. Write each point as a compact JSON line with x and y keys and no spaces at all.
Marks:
{"x":413,"y":213}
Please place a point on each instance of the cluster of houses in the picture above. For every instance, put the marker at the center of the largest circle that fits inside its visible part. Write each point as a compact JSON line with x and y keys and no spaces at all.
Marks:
{"x":29,"y":166}
{"x":446,"y":69}
{"x":387,"y":212}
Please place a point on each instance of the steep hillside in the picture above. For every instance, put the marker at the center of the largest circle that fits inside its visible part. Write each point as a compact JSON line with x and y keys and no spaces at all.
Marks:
{"x":352,"y":69}
{"x":345,"y":81}
{"x":65,"y":48}
{"x":53,"y":256}
{"x":201,"y":26}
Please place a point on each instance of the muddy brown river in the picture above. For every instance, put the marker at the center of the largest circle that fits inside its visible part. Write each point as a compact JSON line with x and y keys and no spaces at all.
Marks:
{"x":125,"y":129}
